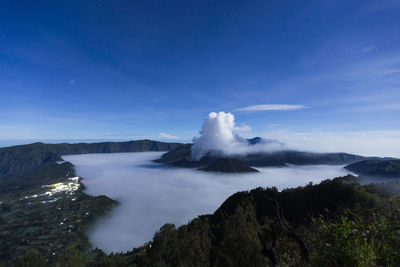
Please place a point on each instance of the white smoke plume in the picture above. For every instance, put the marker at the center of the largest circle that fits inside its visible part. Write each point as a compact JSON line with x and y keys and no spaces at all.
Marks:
{"x":218,"y":136}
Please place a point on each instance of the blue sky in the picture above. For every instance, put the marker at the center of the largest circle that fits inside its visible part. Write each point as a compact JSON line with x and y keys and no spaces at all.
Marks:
{"x":136,"y":69}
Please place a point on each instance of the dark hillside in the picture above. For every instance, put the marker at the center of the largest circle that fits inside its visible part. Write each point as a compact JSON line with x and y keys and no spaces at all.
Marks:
{"x":229,"y":165}
{"x":376,"y":168}
{"x":30,"y":219}
{"x":243,"y":231}
{"x":299,"y":204}
{"x":179,"y":153}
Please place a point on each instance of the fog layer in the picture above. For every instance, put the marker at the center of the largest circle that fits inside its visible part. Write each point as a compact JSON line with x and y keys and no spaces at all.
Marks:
{"x":152,"y":194}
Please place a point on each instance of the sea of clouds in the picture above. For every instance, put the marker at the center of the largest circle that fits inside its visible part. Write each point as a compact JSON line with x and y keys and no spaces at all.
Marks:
{"x":152,"y":194}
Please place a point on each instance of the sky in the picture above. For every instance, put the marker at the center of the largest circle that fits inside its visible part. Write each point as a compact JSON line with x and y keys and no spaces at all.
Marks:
{"x":121,"y":70}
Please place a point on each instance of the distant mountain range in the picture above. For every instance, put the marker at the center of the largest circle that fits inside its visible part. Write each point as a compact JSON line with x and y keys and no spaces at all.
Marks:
{"x":24,"y":159}
{"x":21,"y":159}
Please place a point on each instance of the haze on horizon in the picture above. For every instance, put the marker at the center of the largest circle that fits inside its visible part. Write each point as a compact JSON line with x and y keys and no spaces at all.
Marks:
{"x":316,"y":75}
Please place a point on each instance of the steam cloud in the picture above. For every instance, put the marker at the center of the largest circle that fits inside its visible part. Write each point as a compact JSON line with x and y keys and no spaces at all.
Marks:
{"x":218,"y":136}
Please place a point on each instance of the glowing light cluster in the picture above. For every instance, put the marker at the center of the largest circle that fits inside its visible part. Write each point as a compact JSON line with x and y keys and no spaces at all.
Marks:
{"x":69,"y":187}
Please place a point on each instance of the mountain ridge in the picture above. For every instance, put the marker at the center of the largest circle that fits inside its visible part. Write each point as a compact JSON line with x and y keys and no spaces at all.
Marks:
{"x":376,"y":168}
{"x":24,"y":158}
{"x":229,"y":165}
{"x":181,"y":157}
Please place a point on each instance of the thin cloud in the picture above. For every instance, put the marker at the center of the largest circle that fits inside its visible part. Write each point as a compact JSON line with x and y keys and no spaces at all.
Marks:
{"x":168,"y":136}
{"x":269,"y":107}
{"x":382,"y":143}
{"x":244,"y":128}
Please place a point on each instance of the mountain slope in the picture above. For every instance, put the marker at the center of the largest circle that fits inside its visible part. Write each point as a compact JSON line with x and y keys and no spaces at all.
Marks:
{"x":229,"y":165}
{"x":179,"y":153}
{"x":376,"y":168}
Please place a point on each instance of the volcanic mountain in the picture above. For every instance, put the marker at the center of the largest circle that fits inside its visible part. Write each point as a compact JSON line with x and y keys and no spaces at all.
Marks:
{"x":181,"y":157}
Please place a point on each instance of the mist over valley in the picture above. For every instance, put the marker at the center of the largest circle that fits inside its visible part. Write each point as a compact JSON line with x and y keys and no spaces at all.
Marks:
{"x":152,"y":194}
